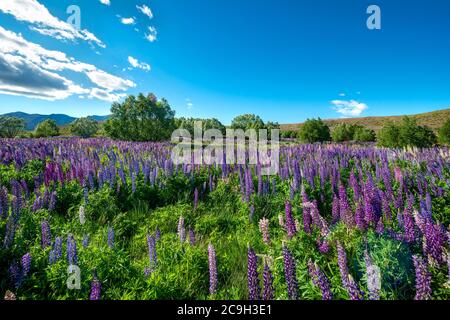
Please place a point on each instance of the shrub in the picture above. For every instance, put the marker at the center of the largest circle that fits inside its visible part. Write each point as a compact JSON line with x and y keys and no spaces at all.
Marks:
{"x":343,"y":132}
{"x":11,"y":126}
{"x":84,"y":127}
{"x":364,"y":135}
{"x":46,"y":128}
{"x":444,"y":133}
{"x":289,"y":134}
{"x":314,"y":130}
{"x":406,"y":134}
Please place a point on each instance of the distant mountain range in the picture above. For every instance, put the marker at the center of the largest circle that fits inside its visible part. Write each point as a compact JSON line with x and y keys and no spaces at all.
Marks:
{"x":32,"y":120}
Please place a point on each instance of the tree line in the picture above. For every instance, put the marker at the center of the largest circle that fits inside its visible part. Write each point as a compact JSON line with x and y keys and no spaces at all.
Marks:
{"x":145,"y":118}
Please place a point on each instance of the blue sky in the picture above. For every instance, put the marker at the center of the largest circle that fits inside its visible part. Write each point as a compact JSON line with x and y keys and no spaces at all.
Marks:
{"x":285,"y":60}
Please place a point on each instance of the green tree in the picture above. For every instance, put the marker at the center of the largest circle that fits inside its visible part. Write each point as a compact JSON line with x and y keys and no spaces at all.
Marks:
{"x":343,"y":132}
{"x":46,"y":128}
{"x":84,"y":127}
{"x":406,"y":134}
{"x":444,"y":133}
{"x":247,"y":121}
{"x":314,"y":130}
{"x":141,"y":118}
{"x":188,"y":124}
{"x":290,"y":134}
{"x":272,"y":125}
{"x":362,"y":134}
{"x":10,"y":127}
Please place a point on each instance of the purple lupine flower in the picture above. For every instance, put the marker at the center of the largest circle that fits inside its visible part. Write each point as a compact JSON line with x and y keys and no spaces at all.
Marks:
{"x":72,"y":257}
{"x":195,"y":198}
{"x":96,"y":288}
{"x":386,"y":208}
{"x":252,"y":212}
{"x":264,"y":229}
{"x":147,"y":272}
{"x":434,"y":241}
{"x":16,"y":208}
{"x":268,"y":292}
{"x":26,"y":264}
{"x":151,"y":243}
{"x":252,"y":275}
{"x":353,"y":290}
{"x":408,"y":221}
{"x":10,"y":232}
{"x":373,"y":277}
{"x":290,"y":224}
{"x":320,"y":280}
{"x":323,"y":246}
{"x":342,"y":262}
{"x":133,"y":182}
{"x":157,"y":234}
{"x":212,"y":269}
{"x":306,"y":213}
{"x":45,"y":234}
{"x":181,"y":229}
{"x":448,"y":256}
{"x":380,"y":227}
{"x":290,"y":273}
{"x":354,"y":185}
{"x":359,"y":216}
{"x":15,"y":274}
{"x":56,"y":252}
{"x":428,"y":203}
{"x":345,"y":211}
{"x":85,"y":242}
{"x":192,"y":237}
{"x":423,"y":279}
{"x":52,"y":204}
{"x":4,"y":203}
{"x":111,"y":236}
{"x":347,"y":280}
{"x":335,"y":209}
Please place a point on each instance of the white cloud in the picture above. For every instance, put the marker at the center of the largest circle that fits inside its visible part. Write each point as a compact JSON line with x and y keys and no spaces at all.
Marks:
{"x":140,"y":65}
{"x":128,"y":21}
{"x":349,"y":108}
{"x":106,"y":2}
{"x":105,"y":95}
{"x":152,"y":35}
{"x":341,"y":94}
{"x":145,"y":10}
{"x":108,"y":81}
{"x":44,"y":22}
{"x":189,"y":104}
{"x":30,"y":70}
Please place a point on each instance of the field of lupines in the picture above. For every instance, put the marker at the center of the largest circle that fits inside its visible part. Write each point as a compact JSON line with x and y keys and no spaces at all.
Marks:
{"x":337,"y":222}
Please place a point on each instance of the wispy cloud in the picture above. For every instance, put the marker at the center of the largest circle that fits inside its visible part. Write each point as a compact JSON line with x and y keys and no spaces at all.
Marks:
{"x":128,"y":21}
{"x":44,"y":22}
{"x":189,"y":104}
{"x":145,"y":10}
{"x":140,"y":65}
{"x":151,"y":36}
{"x":28,"y":69}
{"x":106,"y":2}
{"x":349,"y":108}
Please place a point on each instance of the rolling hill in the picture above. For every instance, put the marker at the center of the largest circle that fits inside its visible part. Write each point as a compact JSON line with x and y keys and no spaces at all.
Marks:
{"x":32,"y":120}
{"x":434,"y":120}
